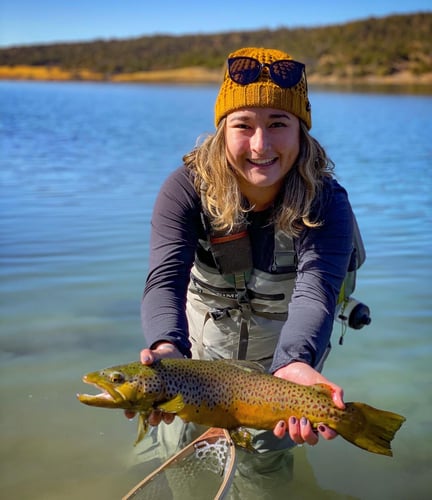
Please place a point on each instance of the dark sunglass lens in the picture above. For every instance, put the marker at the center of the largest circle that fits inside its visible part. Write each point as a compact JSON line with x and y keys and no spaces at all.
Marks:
{"x":243,"y":70}
{"x":286,"y":73}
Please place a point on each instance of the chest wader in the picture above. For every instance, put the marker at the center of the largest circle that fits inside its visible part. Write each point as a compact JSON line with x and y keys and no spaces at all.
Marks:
{"x":236,"y":311}
{"x":233,"y":256}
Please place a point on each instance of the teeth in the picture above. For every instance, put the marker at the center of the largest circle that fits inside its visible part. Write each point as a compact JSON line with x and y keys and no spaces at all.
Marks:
{"x":261,"y":162}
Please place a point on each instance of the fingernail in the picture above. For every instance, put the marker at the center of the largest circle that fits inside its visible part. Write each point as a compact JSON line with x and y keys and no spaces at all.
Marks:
{"x":145,"y":359}
{"x":303,"y":421}
{"x":321,"y":428}
{"x":282,"y":424}
{"x":293,"y":420}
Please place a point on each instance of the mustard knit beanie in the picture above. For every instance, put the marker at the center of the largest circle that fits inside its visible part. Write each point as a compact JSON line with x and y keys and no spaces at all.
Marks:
{"x":263,"y":93}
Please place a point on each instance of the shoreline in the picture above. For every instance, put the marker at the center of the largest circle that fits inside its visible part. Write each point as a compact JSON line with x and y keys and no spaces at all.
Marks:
{"x":199,"y":75}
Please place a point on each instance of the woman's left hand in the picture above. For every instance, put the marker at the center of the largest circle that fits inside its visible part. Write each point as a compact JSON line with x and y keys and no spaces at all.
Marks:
{"x":301,"y":430}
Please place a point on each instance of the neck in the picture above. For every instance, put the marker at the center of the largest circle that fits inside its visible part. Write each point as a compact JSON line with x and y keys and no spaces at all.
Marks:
{"x":260,"y":198}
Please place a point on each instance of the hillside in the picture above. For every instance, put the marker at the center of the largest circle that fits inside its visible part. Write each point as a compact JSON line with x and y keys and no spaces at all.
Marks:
{"x":394,"y":48}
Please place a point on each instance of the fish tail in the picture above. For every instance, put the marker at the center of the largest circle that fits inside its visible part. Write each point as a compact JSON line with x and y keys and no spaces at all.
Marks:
{"x":370,"y":428}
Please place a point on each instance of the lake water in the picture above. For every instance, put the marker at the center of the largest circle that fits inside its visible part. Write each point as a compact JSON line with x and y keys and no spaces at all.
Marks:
{"x":80,"y":166}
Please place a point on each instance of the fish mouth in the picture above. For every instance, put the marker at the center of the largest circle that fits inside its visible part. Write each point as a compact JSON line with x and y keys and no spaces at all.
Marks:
{"x":110,"y":397}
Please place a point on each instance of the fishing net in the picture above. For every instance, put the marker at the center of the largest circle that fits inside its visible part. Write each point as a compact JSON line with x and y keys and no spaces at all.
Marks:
{"x":202,"y":470}
{"x":213,"y":456}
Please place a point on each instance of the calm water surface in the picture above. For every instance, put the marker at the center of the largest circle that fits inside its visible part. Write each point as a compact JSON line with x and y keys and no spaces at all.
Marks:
{"x":80,"y":166}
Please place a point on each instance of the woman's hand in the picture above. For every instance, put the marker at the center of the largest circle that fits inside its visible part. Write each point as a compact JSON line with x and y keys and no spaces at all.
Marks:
{"x":161,"y":350}
{"x":300,"y":430}
{"x":147,"y":357}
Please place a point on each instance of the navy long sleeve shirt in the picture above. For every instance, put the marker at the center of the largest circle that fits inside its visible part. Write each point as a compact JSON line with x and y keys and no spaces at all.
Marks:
{"x":323,"y":256}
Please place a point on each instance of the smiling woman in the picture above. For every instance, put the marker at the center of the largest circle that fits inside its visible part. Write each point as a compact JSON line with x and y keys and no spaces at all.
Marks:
{"x":251,"y":240}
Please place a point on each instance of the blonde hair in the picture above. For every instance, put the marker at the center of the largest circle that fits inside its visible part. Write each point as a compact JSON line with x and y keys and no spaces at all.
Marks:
{"x":216,"y":182}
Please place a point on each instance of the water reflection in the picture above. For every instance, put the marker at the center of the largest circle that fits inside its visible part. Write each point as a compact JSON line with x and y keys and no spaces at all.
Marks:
{"x":79,"y":170}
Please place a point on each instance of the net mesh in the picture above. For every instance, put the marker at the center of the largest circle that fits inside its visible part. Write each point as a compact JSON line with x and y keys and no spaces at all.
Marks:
{"x":197,"y":475}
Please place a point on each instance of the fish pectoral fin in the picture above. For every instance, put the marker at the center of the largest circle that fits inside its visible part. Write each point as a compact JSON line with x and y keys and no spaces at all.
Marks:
{"x":173,"y":405}
{"x":142,"y":427}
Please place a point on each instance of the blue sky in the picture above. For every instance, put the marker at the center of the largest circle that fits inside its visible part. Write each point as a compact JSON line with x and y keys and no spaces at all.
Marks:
{"x":25,"y":22}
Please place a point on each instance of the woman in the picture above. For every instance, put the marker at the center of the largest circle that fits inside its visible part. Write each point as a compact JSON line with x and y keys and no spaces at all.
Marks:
{"x":252,"y":237}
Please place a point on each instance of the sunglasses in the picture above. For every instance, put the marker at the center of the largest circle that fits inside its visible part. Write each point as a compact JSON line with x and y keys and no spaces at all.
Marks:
{"x":286,"y":73}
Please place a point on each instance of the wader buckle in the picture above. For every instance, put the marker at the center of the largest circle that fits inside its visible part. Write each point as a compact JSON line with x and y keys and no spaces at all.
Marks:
{"x":218,"y":314}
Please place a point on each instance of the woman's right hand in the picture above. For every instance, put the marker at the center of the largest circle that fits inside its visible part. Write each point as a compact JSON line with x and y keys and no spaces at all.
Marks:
{"x":147,"y":357}
{"x":301,"y":430}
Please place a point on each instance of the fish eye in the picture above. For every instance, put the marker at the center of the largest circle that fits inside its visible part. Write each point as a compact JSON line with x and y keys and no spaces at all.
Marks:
{"x":116,"y":377}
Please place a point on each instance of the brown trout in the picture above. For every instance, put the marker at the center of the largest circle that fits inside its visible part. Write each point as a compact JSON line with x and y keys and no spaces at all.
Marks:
{"x":234,"y":394}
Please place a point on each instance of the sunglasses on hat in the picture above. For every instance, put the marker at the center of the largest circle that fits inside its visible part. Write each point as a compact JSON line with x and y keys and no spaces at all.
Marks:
{"x":286,"y":73}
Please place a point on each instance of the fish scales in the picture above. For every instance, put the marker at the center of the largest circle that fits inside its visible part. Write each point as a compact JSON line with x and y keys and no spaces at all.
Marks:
{"x":231,"y":394}
{"x":205,"y":386}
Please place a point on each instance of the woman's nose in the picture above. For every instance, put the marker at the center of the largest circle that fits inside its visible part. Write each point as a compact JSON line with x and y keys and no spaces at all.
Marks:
{"x":259,"y":141}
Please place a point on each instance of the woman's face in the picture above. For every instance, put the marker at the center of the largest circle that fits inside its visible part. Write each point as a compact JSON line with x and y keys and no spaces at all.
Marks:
{"x":262,"y":145}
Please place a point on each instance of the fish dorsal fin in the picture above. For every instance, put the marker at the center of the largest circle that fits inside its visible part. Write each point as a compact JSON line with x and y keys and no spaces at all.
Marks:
{"x":248,"y":366}
{"x":173,"y":405}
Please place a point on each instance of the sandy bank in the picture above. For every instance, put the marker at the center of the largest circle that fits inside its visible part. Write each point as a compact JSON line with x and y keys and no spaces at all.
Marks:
{"x":195,"y":75}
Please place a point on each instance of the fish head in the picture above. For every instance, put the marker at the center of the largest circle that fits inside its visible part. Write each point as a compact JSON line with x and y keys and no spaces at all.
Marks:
{"x":130,"y":387}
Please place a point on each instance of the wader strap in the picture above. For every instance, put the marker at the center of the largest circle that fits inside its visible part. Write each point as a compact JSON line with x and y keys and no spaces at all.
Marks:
{"x":243,"y":339}
{"x":285,"y":256}
{"x":245,"y":312}
{"x":200,"y":343}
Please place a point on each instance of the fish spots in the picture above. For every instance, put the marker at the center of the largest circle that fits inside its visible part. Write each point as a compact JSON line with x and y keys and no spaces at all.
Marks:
{"x":221,"y":393}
